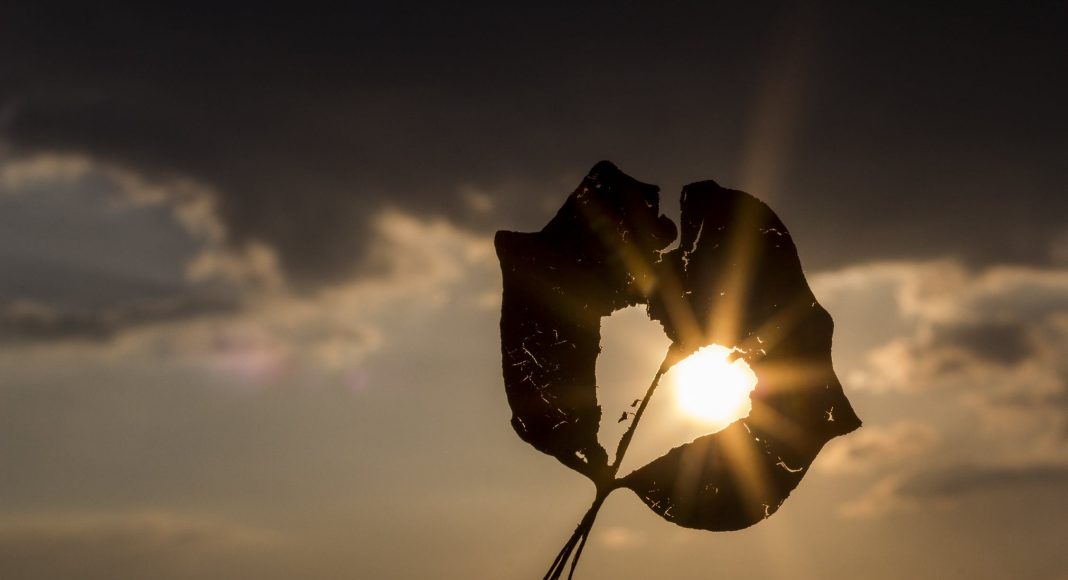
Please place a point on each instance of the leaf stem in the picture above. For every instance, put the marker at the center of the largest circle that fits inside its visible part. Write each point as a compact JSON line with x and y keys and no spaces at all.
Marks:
{"x":582,"y":531}
{"x":578,"y":538}
{"x":624,"y":441}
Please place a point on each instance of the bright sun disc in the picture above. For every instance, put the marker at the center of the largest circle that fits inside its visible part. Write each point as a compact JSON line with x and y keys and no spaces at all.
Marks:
{"x":711,"y":388}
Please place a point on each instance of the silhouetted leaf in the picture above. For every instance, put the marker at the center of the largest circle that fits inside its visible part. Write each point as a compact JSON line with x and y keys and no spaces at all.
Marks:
{"x":593,"y":258}
{"x":735,"y":280}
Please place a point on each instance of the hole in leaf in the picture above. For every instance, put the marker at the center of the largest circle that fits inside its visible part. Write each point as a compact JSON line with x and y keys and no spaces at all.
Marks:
{"x":632,"y":348}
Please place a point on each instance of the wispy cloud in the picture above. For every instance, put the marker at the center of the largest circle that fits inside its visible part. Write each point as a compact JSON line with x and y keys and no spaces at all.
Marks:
{"x":876,"y":448}
{"x":120,"y":546}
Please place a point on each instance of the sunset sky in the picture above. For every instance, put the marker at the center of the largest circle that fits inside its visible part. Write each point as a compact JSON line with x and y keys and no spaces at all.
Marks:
{"x":249,"y":300}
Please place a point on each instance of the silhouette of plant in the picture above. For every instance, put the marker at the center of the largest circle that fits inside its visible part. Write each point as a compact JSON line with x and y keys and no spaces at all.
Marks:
{"x":735,"y":279}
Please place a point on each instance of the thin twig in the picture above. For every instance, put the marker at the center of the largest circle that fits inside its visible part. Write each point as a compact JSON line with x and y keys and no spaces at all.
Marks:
{"x":624,"y":441}
{"x":582,"y":531}
{"x":578,"y":552}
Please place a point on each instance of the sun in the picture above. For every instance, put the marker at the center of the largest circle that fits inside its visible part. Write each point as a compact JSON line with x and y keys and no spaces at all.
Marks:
{"x":713,"y":389}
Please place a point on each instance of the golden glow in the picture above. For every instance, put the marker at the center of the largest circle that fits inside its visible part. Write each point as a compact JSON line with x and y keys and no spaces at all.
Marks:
{"x":711,"y":388}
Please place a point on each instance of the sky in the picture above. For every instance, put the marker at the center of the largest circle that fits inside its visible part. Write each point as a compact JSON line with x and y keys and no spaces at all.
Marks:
{"x":249,"y":300}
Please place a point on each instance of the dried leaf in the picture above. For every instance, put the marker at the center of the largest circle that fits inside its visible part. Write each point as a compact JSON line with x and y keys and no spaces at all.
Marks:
{"x":734,"y":280}
{"x":593,"y":258}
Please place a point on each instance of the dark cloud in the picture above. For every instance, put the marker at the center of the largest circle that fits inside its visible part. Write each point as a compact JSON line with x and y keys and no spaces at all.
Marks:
{"x":963,"y":323}
{"x":28,"y":322}
{"x":953,"y":483}
{"x":962,"y":351}
{"x":943,"y":486}
{"x":984,"y":348}
{"x":1001,"y":342}
{"x":911,"y":133}
{"x":120,"y":252}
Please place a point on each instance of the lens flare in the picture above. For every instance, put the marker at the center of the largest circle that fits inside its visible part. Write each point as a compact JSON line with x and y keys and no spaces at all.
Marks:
{"x":710,"y":387}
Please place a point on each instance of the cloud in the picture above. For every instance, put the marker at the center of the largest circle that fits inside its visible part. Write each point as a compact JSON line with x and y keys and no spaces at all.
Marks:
{"x":1003,"y":342}
{"x":123,"y":251}
{"x":882,"y":498}
{"x":188,"y":297}
{"x":336,"y":114}
{"x":119,"y":546}
{"x":944,"y":488}
{"x":980,"y":353}
{"x":995,"y":325}
{"x":426,"y":269}
{"x":31,"y":322}
{"x":877,"y":447}
{"x":193,"y":203}
{"x":968,"y":479}
{"x":97,"y":186}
